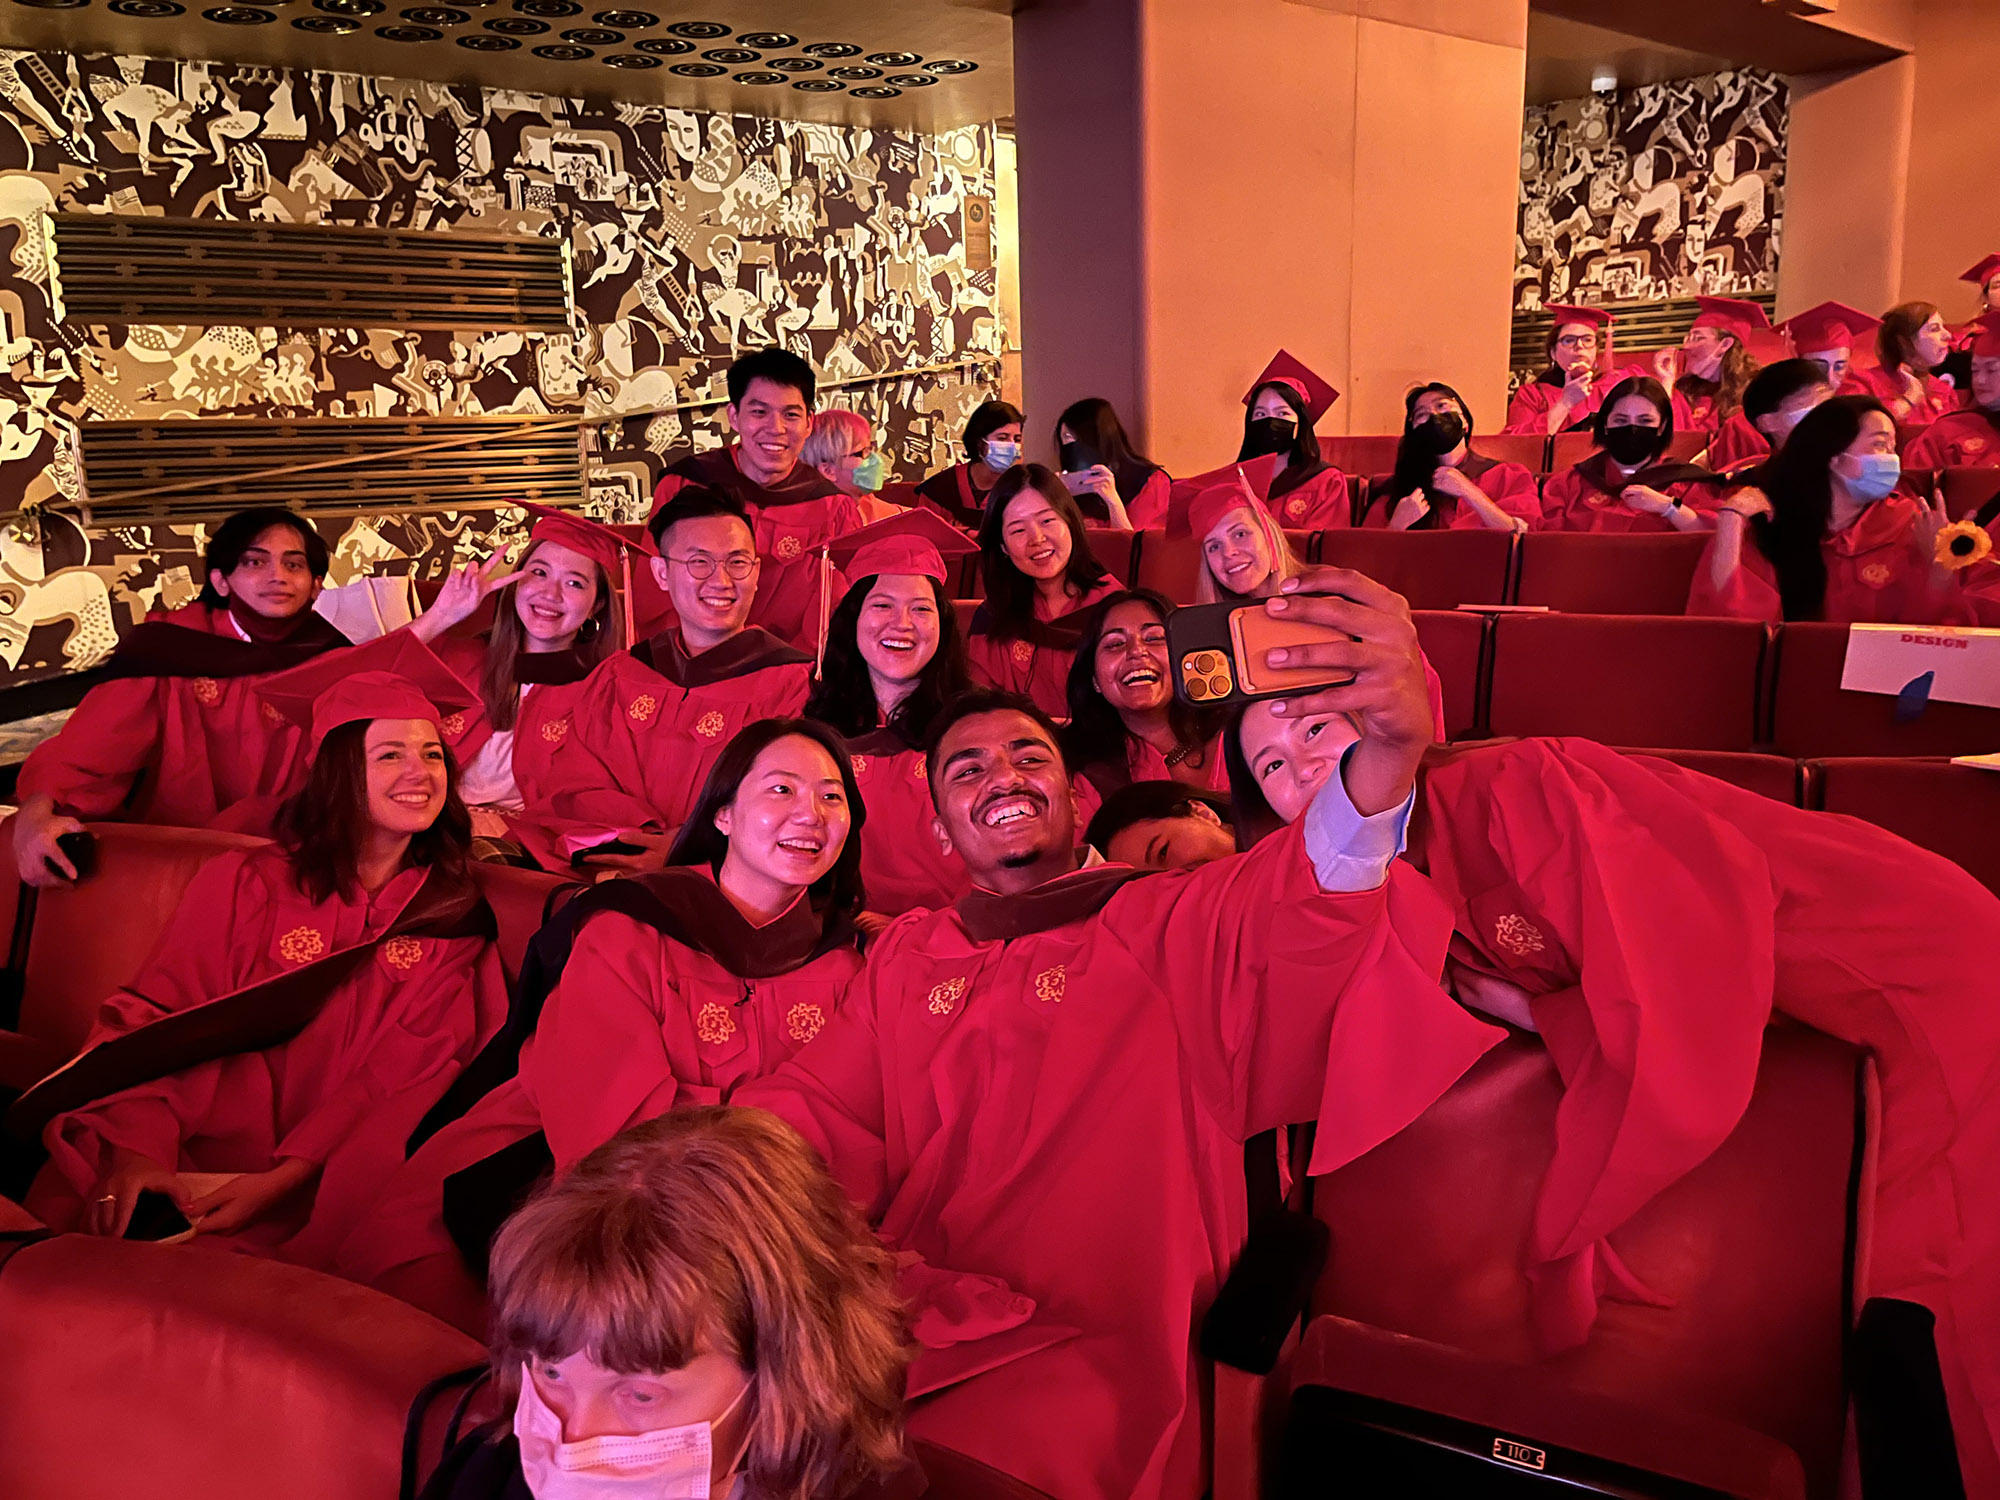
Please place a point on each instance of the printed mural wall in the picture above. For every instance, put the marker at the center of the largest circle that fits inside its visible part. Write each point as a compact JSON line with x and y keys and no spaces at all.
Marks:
{"x":694,"y":236}
{"x":1673,"y":190}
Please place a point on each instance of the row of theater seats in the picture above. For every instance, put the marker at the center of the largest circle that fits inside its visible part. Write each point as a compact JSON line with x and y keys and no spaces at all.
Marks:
{"x":239,"y":1377}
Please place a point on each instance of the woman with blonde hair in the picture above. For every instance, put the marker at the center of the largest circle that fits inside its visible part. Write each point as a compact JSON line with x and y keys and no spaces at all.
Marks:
{"x":842,"y":447}
{"x":695,"y":1309}
{"x":1244,"y":554}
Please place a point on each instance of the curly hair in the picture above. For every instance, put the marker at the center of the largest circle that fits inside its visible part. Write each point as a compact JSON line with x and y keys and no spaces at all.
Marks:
{"x":714,"y":1229}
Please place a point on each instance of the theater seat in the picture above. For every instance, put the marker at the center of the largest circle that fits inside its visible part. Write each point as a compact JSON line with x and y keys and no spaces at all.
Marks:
{"x":1690,"y":684}
{"x":1361,"y":453}
{"x":1773,"y":776}
{"x":1753,"y":1246}
{"x":1567,"y":449}
{"x":167,"y":1370}
{"x":1812,"y":716}
{"x":1529,"y":450}
{"x":1115,"y":549}
{"x":1172,"y":564}
{"x":1431,"y":569}
{"x":89,"y":938}
{"x":1950,"y":810}
{"x":1455,"y":642}
{"x":1966,"y":490}
{"x":521,"y":902}
{"x":1613,"y":574}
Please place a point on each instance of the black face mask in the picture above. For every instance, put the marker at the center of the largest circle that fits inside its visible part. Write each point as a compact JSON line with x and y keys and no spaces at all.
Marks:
{"x":1268,"y":435}
{"x":1439,"y":433}
{"x":1631,"y":446}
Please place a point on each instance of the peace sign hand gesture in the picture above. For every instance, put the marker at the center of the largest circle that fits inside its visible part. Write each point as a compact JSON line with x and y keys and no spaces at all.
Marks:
{"x":466,"y":587}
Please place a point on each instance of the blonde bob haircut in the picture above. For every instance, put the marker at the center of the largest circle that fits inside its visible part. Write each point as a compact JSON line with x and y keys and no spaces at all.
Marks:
{"x":1285,"y":562}
{"x":835,"y":434}
{"x":713,"y":1229}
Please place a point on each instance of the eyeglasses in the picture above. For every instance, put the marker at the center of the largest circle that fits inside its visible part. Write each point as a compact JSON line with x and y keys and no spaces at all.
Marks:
{"x":700,"y":565}
{"x":1577,"y":341}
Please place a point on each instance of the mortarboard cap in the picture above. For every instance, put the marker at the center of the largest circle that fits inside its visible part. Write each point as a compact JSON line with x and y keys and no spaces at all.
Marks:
{"x":1831,"y":325}
{"x":919,"y":541}
{"x":1597,"y":318}
{"x":1316,"y":397}
{"x":395,"y":676}
{"x":1984,"y":342}
{"x":1984,"y":272}
{"x":602,"y":544}
{"x":1732,"y":315}
{"x":1220,"y":491}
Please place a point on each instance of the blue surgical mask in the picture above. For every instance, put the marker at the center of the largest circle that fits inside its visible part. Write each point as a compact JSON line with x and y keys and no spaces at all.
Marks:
{"x":1001,"y":456}
{"x":1880,"y":473}
{"x":871,"y":472}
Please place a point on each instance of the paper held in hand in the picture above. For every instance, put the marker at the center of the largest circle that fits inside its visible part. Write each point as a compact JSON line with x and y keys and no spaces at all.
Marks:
{"x":1964,"y":662}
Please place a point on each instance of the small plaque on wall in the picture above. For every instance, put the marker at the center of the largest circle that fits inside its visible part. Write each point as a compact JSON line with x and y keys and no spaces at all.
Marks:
{"x":978,"y":233}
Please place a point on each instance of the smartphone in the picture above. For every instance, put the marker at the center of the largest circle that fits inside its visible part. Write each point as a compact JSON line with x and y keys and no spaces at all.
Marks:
{"x":80,"y":849}
{"x":156,"y":1217}
{"x":1078,"y":456}
{"x":1217,"y":651}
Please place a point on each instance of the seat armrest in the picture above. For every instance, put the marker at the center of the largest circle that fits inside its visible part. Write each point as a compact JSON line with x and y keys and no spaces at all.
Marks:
{"x":26,"y":1060}
{"x":1901,"y":1420}
{"x":1267,"y":1292}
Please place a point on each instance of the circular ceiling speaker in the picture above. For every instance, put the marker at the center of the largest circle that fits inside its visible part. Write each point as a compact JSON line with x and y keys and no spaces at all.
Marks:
{"x":328,"y":25}
{"x":951,"y":65}
{"x":854,"y":75}
{"x":436,"y":15}
{"x":796,"y":64}
{"x":628,"y":20}
{"x":516,"y":26}
{"x":563,"y":52}
{"x":350,"y":7}
{"x":831,"y":49}
{"x":593,"y":36}
{"x":876,"y":93}
{"x":229,"y":15}
{"x":894,"y":59}
{"x":911,"y":80}
{"x":664,"y":46}
{"x":730,"y":55}
{"x":78,"y":5}
{"x":701,"y":31}
{"x":481,"y":41}
{"x":817,"y":86}
{"x":634,"y":61}
{"x":408,"y":34}
{"x":146,"y":10}
{"x":760,"y":78}
{"x":768,"y":40}
{"x":548,"y":7}
{"x":698,"y":70}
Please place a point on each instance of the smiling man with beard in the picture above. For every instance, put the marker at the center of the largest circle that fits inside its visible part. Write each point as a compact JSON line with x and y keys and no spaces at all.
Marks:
{"x":1049,"y":1083}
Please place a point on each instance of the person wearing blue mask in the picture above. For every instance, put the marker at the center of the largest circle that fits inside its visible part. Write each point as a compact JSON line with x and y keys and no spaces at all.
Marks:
{"x":842,"y":447}
{"x":992,"y":447}
{"x":1830,"y":536}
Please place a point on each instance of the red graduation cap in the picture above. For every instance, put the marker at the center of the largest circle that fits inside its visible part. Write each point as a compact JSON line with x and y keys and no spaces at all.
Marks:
{"x":610,"y":547}
{"x":1591,"y":317}
{"x":918,"y":541}
{"x":395,"y":676}
{"x":1733,"y":316}
{"x":1831,"y":325}
{"x":1984,"y":272}
{"x":1316,"y":397}
{"x":1214,"y":494}
{"x":1985,"y":340}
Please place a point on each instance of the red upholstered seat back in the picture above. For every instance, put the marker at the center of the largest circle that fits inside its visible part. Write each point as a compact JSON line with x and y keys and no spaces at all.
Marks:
{"x":1568,"y":449}
{"x":1528,"y":449}
{"x":1430,"y":1229}
{"x":1811,"y":715}
{"x":1966,"y":490}
{"x":521,"y":901}
{"x":92,"y":937}
{"x":1950,"y":810}
{"x":1773,"y":776}
{"x":1431,"y":569}
{"x":1172,"y":564}
{"x":1613,"y":574}
{"x":168,"y":1370}
{"x":1454,"y":641}
{"x":1370,"y":453}
{"x":1628,"y":679}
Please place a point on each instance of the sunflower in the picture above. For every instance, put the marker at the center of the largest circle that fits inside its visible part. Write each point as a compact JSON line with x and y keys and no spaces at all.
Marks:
{"x":1962,"y":544}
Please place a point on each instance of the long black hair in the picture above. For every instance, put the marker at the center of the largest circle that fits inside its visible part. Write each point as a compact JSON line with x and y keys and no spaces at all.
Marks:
{"x":1010,"y":593}
{"x":1304,"y":452}
{"x":987,"y":418}
{"x":1095,"y":735}
{"x":1644,"y":386}
{"x":838,"y":892}
{"x":239,"y":534}
{"x":1415,"y":464}
{"x":1092,"y":420}
{"x":322,"y":825}
{"x":1798,"y":481}
{"x":844,"y":695}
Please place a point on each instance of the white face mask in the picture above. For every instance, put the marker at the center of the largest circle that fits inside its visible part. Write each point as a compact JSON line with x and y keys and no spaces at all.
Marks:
{"x":670,"y":1463}
{"x":1001,"y":456}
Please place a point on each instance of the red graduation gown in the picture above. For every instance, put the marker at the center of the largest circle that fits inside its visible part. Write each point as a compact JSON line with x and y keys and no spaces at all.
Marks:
{"x":790,"y":520}
{"x":953,"y":495}
{"x":649,"y":724}
{"x":1875,"y":575}
{"x":1937,"y":398}
{"x":1512,"y":487}
{"x":1736,"y":442}
{"x":1036,"y":664}
{"x":182,"y":750}
{"x":1053,"y":1089}
{"x":1148,"y":507}
{"x":1958,"y":440}
{"x":1659,"y":917}
{"x":901,"y":864}
{"x":1322,"y":501}
{"x":638,"y":1022}
{"x":1695,"y":413}
{"x":345,"y":1092}
{"x":1528,"y":411}
{"x":1585,"y":498}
